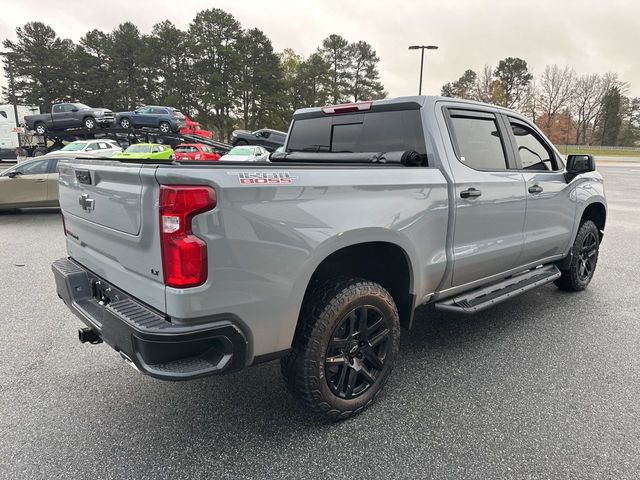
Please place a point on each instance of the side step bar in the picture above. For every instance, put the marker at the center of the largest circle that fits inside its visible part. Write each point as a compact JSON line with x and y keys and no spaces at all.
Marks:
{"x":484,"y":297}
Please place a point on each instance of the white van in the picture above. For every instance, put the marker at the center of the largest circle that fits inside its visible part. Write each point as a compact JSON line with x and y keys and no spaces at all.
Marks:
{"x":8,"y":138}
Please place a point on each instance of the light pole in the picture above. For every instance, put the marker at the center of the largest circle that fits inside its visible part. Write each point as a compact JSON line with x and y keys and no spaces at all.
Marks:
{"x":423,"y":48}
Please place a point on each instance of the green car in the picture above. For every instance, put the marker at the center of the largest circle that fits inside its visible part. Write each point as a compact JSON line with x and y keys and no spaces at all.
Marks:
{"x":153,"y":151}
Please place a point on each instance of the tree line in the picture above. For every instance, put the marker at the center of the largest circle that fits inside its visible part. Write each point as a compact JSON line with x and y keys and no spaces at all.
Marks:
{"x":588,"y":109}
{"x":216,"y":71}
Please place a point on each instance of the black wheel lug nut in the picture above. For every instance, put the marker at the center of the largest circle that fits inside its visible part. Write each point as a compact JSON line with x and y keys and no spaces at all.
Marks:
{"x":359,"y":355}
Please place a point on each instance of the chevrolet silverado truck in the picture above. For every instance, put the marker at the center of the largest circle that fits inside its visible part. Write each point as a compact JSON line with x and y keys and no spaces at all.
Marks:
{"x":321,"y":255}
{"x":69,"y":115}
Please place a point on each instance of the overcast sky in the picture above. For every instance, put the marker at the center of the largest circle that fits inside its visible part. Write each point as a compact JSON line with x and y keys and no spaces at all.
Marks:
{"x":592,"y":36}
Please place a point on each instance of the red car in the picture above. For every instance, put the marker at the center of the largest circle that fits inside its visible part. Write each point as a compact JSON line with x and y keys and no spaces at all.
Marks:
{"x":193,"y":128}
{"x":195,"y":151}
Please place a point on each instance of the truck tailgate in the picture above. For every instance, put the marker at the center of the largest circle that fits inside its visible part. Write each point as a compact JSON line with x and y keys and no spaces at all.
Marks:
{"x":103,"y":202}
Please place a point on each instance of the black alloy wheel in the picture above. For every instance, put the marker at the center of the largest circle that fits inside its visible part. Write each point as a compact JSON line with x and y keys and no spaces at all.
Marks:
{"x":586,"y":257}
{"x":357,"y":351}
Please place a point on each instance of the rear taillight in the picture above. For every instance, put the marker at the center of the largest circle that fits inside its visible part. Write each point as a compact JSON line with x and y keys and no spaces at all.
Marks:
{"x":184,"y":256}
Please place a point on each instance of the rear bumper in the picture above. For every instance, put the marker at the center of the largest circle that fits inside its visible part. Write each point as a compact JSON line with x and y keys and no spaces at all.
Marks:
{"x":151,"y":342}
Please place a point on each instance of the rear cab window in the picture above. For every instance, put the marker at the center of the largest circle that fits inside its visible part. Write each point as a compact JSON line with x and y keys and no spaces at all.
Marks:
{"x":371,"y":131}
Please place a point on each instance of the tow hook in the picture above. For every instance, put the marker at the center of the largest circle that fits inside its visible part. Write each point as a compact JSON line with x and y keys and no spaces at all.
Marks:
{"x":87,"y":334}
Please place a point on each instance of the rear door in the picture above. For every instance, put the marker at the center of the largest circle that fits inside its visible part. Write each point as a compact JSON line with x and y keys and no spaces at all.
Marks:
{"x":489,"y":196}
{"x":103,"y":202}
{"x":52,"y":182}
{"x":551,"y":212}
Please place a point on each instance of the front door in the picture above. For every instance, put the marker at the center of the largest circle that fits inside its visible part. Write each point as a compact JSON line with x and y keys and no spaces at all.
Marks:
{"x":25,"y":185}
{"x":550,"y":212}
{"x":489,"y":197}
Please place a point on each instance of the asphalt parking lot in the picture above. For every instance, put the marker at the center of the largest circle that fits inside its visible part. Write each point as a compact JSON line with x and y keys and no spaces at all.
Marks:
{"x":544,"y":386}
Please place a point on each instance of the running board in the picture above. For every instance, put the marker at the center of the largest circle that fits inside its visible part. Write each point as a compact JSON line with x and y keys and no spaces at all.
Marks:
{"x":484,"y":297}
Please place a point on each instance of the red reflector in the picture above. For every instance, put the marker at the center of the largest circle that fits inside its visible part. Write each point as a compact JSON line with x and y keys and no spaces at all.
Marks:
{"x":347,"y":108}
{"x":184,"y":256}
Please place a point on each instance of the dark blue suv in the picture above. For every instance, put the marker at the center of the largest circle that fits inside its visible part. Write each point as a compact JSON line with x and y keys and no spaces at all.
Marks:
{"x":166,"y":119}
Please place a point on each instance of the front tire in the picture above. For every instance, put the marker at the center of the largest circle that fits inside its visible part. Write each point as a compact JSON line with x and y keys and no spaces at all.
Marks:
{"x":125,"y":123}
{"x":89,"y":123}
{"x":344,"y":348}
{"x":586,"y":248}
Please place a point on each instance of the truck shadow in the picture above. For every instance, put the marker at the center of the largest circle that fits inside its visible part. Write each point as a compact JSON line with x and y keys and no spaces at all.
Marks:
{"x":254,"y":402}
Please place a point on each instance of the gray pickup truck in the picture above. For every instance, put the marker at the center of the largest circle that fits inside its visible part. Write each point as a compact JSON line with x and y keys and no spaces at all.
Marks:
{"x":320,"y":256}
{"x":69,"y":115}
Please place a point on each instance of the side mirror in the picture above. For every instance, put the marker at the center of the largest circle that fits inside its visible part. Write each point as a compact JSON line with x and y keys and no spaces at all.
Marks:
{"x":577,"y":164}
{"x":74,"y":110}
{"x":88,"y":149}
{"x":13,"y":174}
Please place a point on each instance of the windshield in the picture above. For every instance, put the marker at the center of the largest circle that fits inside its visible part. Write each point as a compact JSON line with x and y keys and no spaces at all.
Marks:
{"x":138,"y":149}
{"x":81,"y":106}
{"x":241,"y":151}
{"x":73,"y":147}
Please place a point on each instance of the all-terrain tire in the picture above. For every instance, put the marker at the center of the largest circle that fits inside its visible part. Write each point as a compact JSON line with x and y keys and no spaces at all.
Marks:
{"x":326,"y":307}
{"x":585,"y":251}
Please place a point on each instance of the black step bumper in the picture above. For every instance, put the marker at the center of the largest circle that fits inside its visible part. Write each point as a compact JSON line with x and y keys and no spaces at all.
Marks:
{"x":145,"y":337}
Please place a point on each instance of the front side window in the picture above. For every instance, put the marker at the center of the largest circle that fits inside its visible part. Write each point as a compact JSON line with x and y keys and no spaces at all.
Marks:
{"x":479,"y":143}
{"x":38,"y":167}
{"x":533,"y":153}
{"x":58,"y":109}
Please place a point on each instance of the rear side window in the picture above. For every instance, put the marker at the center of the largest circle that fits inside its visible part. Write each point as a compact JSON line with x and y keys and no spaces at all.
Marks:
{"x":371,"y":132}
{"x":478,"y":142}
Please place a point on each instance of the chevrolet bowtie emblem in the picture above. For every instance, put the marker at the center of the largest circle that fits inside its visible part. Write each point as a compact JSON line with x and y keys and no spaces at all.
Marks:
{"x":86,"y":203}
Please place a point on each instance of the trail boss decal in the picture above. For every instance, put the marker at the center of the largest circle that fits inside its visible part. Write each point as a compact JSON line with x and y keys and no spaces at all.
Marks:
{"x":264,"y":178}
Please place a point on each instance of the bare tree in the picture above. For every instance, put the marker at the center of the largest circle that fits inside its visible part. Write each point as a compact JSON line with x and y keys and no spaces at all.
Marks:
{"x":585,"y":105}
{"x":556,"y":88}
{"x":484,"y":85}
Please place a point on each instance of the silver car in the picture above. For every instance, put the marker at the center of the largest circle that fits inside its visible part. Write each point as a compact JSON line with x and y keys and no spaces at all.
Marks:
{"x":88,"y":148}
{"x":246,"y":153}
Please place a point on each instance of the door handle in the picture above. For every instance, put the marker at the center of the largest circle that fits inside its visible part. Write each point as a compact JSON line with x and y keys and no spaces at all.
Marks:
{"x":535,"y":189}
{"x":40,"y":180}
{"x":470,"y":193}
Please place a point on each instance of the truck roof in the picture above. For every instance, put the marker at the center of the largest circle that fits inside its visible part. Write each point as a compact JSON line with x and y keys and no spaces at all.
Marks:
{"x":398,"y":103}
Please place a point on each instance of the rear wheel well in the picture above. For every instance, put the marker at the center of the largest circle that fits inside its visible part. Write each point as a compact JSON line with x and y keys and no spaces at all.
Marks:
{"x":384,"y":263}
{"x":597,"y":214}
